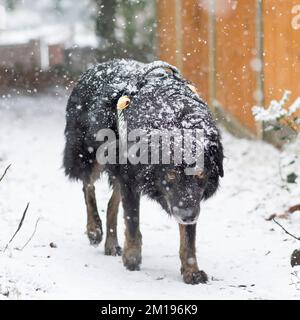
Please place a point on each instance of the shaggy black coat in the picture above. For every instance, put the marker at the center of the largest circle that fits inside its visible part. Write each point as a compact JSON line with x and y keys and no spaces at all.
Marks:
{"x":159,"y":99}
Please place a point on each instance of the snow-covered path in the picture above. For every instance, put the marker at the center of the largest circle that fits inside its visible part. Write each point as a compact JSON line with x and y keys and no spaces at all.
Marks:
{"x":245,"y":256}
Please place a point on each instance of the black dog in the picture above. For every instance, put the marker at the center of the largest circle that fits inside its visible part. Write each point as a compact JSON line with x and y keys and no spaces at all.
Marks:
{"x":152,"y":96}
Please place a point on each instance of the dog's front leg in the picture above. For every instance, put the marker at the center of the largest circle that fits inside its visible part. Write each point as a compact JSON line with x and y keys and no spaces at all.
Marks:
{"x":189,"y":266}
{"x":132,"y":253}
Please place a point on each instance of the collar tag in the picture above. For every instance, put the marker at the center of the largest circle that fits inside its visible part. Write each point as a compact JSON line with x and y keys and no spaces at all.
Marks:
{"x":123,"y":103}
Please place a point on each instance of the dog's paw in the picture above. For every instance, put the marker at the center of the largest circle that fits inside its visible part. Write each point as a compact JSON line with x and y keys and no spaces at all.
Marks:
{"x":132,"y":259}
{"x":195,"y":277}
{"x":95,"y":236}
{"x":112,"y":248}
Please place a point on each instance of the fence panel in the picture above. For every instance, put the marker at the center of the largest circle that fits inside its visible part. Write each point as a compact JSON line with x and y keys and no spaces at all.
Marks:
{"x":235,"y":57}
{"x":282,"y":48}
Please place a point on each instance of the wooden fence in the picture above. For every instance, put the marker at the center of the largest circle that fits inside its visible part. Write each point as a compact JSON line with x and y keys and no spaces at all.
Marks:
{"x":239,"y":53}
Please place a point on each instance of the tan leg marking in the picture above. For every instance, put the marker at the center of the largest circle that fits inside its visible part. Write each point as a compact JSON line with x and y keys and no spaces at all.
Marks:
{"x":94,"y":224}
{"x":189,"y":265}
{"x":112,"y":247}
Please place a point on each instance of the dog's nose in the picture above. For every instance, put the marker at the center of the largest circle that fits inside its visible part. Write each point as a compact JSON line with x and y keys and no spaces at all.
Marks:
{"x":187,"y":215}
{"x":188,"y":220}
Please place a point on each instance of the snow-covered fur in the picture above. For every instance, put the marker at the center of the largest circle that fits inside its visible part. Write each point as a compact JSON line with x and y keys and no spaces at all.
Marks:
{"x":159,"y":99}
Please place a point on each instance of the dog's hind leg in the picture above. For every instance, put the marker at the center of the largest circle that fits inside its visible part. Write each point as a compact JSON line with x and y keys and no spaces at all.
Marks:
{"x":94,"y":224}
{"x":112,"y":247}
{"x":189,"y":266}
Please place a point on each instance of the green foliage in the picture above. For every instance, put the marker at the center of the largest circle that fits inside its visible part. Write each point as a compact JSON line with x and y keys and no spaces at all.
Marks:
{"x":11,"y":4}
{"x":292,"y":177}
{"x":58,"y":6}
{"x":105,"y":19}
{"x":126,"y":28}
{"x":131,"y":12}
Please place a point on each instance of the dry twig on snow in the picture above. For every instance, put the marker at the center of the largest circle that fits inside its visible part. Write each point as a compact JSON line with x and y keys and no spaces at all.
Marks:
{"x":294,"y":208}
{"x":287,"y":232}
{"x":19,"y":226}
{"x":5,"y":172}
{"x":284,"y":215}
{"x":22,"y":219}
{"x":34,"y":231}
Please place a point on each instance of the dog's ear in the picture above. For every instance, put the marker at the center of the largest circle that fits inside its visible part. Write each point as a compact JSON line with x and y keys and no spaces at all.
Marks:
{"x":219,"y":160}
{"x":220,"y":168}
{"x":215,"y":154}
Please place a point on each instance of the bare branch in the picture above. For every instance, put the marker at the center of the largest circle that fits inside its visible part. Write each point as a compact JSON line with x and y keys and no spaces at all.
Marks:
{"x":19,"y":226}
{"x":293,"y":236}
{"x":294,"y":208}
{"x":284,"y":215}
{"x":5,"y":172}
{"x":34,"y":231}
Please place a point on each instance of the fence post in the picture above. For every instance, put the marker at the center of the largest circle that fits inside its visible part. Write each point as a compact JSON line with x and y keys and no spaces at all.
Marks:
{"x":212,"y":54}
{"x":178,"y":27}
{"x":260,"y":92}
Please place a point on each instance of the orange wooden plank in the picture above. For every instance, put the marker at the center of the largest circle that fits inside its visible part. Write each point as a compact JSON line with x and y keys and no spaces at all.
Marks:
{"x":235,"y":54}
{"x":195,"y":44}
{"x":281,"y":49}
{"x":166,"y":30}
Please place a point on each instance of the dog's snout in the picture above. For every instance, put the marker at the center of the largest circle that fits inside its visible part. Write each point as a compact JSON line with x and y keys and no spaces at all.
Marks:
{"x":185,"y":216}
{"x":185,"y":213}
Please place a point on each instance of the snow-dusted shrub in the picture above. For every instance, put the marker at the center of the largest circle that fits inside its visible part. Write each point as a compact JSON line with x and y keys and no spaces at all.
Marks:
{"x":281,"y":114}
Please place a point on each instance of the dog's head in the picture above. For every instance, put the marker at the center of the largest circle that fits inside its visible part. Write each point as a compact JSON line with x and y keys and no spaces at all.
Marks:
{"x":180,"y":194}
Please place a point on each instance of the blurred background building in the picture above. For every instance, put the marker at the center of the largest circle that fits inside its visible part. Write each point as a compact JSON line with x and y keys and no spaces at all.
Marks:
{"x":239,"y":53}
{"x":41,"y":34}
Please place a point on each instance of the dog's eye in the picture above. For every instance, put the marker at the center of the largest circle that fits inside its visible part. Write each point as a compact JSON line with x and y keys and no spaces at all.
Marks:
{"x":171,"y":175}
{"x":200,"y":175}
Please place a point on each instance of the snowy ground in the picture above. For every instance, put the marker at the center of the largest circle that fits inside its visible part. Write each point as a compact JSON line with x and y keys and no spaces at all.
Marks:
{"x":245,"y":256}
